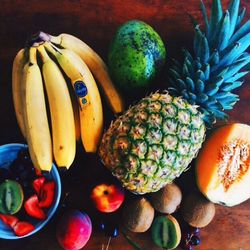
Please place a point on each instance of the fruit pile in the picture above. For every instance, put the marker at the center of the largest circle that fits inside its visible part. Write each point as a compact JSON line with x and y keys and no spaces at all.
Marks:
{"x":25,"y":195}
{"x":171,"y":220}
{"x":153,"y":142}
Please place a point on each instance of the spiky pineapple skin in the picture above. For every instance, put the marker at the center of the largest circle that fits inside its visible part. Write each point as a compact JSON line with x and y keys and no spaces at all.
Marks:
{"x":153,"y":142}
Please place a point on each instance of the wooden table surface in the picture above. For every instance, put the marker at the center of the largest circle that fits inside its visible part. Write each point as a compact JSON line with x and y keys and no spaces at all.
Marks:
{"x":95,"y":22}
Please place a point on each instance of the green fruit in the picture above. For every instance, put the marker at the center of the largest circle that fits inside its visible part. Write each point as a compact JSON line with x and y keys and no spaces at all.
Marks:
{"x":153,"y":142}
{"x":136,"y":55}
{"x":166,"y":232}
{"x":11,"y":197}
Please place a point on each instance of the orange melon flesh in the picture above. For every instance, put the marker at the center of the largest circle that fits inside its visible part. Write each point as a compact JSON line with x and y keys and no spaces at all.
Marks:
{"x":215,"y":187}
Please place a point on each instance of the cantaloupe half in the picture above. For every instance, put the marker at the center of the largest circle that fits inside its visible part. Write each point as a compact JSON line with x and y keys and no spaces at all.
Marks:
{"x":223,"y":165}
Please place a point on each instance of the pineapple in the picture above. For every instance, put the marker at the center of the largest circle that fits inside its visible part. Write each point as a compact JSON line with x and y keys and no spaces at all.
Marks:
{"x":154,"y":141}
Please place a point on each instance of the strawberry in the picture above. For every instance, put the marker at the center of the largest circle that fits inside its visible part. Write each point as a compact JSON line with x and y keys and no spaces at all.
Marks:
{"x":47,"y":194}
{"x":33,"y":209}
{"x":22,"y":228}
{"x":38,"y":183}
{"x":9,"y":220}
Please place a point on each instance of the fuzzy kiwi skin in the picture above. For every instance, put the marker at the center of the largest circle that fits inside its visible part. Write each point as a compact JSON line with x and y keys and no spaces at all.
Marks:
{"x":138,"y":215}
{"x":197,"y":211}
{"x":167,"y":199}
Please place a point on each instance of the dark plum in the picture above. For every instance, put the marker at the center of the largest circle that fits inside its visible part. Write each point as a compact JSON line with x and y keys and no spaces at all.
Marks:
{"x":115,"y":233}
{"x":195,"y":240}
{"x":109,"y":228}
{"x":190,"y":238}
{"x":112,"y":231}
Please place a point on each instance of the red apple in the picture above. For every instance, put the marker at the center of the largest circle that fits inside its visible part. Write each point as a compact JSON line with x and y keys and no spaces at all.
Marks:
{"x":107,"y":198}
{"x":73,"y":230}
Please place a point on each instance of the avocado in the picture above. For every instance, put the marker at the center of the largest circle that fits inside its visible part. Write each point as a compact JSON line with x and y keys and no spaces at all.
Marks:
{"x":136,"y":55}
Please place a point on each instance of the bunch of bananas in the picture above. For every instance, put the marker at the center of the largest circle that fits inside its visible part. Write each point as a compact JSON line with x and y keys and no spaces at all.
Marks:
{"x":63,"y":66}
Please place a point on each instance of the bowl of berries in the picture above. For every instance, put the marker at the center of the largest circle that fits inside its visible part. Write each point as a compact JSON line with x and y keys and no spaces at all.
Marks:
{"x":28,"y":197}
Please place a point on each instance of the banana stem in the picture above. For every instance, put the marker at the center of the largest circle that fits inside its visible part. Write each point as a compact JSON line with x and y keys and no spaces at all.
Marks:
{"x":44,"y":36}
{"x":37,"y":39}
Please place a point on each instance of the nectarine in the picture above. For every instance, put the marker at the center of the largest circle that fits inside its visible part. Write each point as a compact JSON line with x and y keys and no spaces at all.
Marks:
{"x":107,"y":198}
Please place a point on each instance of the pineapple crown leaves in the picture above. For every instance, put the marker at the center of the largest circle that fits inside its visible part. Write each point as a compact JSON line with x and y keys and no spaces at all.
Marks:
{"x":208,"y":78}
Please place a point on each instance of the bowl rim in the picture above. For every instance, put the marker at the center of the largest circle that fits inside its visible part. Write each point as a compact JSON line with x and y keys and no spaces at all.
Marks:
{"x":56,"y":202}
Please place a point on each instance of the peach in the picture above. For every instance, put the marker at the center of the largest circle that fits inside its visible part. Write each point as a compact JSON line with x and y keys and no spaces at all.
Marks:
{"x":107,"y":198}
{"x":73,"y":230}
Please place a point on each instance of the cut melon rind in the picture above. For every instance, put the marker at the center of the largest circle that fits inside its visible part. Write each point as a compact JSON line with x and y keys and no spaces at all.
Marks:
{"x":223,"y":165}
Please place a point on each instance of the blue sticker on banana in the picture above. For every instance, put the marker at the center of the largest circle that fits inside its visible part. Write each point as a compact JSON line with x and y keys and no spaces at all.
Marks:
{"x":80,"y":89}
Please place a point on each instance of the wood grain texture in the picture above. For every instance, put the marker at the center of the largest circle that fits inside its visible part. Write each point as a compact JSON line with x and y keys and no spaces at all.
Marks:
{"x":95,"y":22}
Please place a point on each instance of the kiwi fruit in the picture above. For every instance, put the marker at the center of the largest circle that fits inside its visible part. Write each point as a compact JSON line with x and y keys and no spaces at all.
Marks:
{"x":167,"y":199}
{"x":166,"y":232}
{"x":11,"y":197}
{"x":138,"y":215}
{"x":197,"y":211}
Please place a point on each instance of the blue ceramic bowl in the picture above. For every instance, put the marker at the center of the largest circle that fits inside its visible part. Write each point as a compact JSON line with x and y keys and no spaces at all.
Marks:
{"x":8,"y":153}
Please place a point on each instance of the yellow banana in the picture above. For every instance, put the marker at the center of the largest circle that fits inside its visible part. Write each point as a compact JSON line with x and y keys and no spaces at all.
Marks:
{"x":17,"y":96}
{"x":35,"y":116}
{"x":61,"y":112}
{"x":75,"y":106}
{"x":96,"y":66}
{"x":91,"y":114}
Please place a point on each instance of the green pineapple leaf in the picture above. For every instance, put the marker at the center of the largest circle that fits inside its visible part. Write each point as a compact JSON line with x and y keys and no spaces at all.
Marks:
{"x":216,"y":15}
{"x":242,"y":31}
{"x":218,"y":62}
{"x":233,"y":11}
{"x":221,"y":34}
{"x":240,"y":18}
{"x":204,"y":13}
{"x":229,"y":86}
